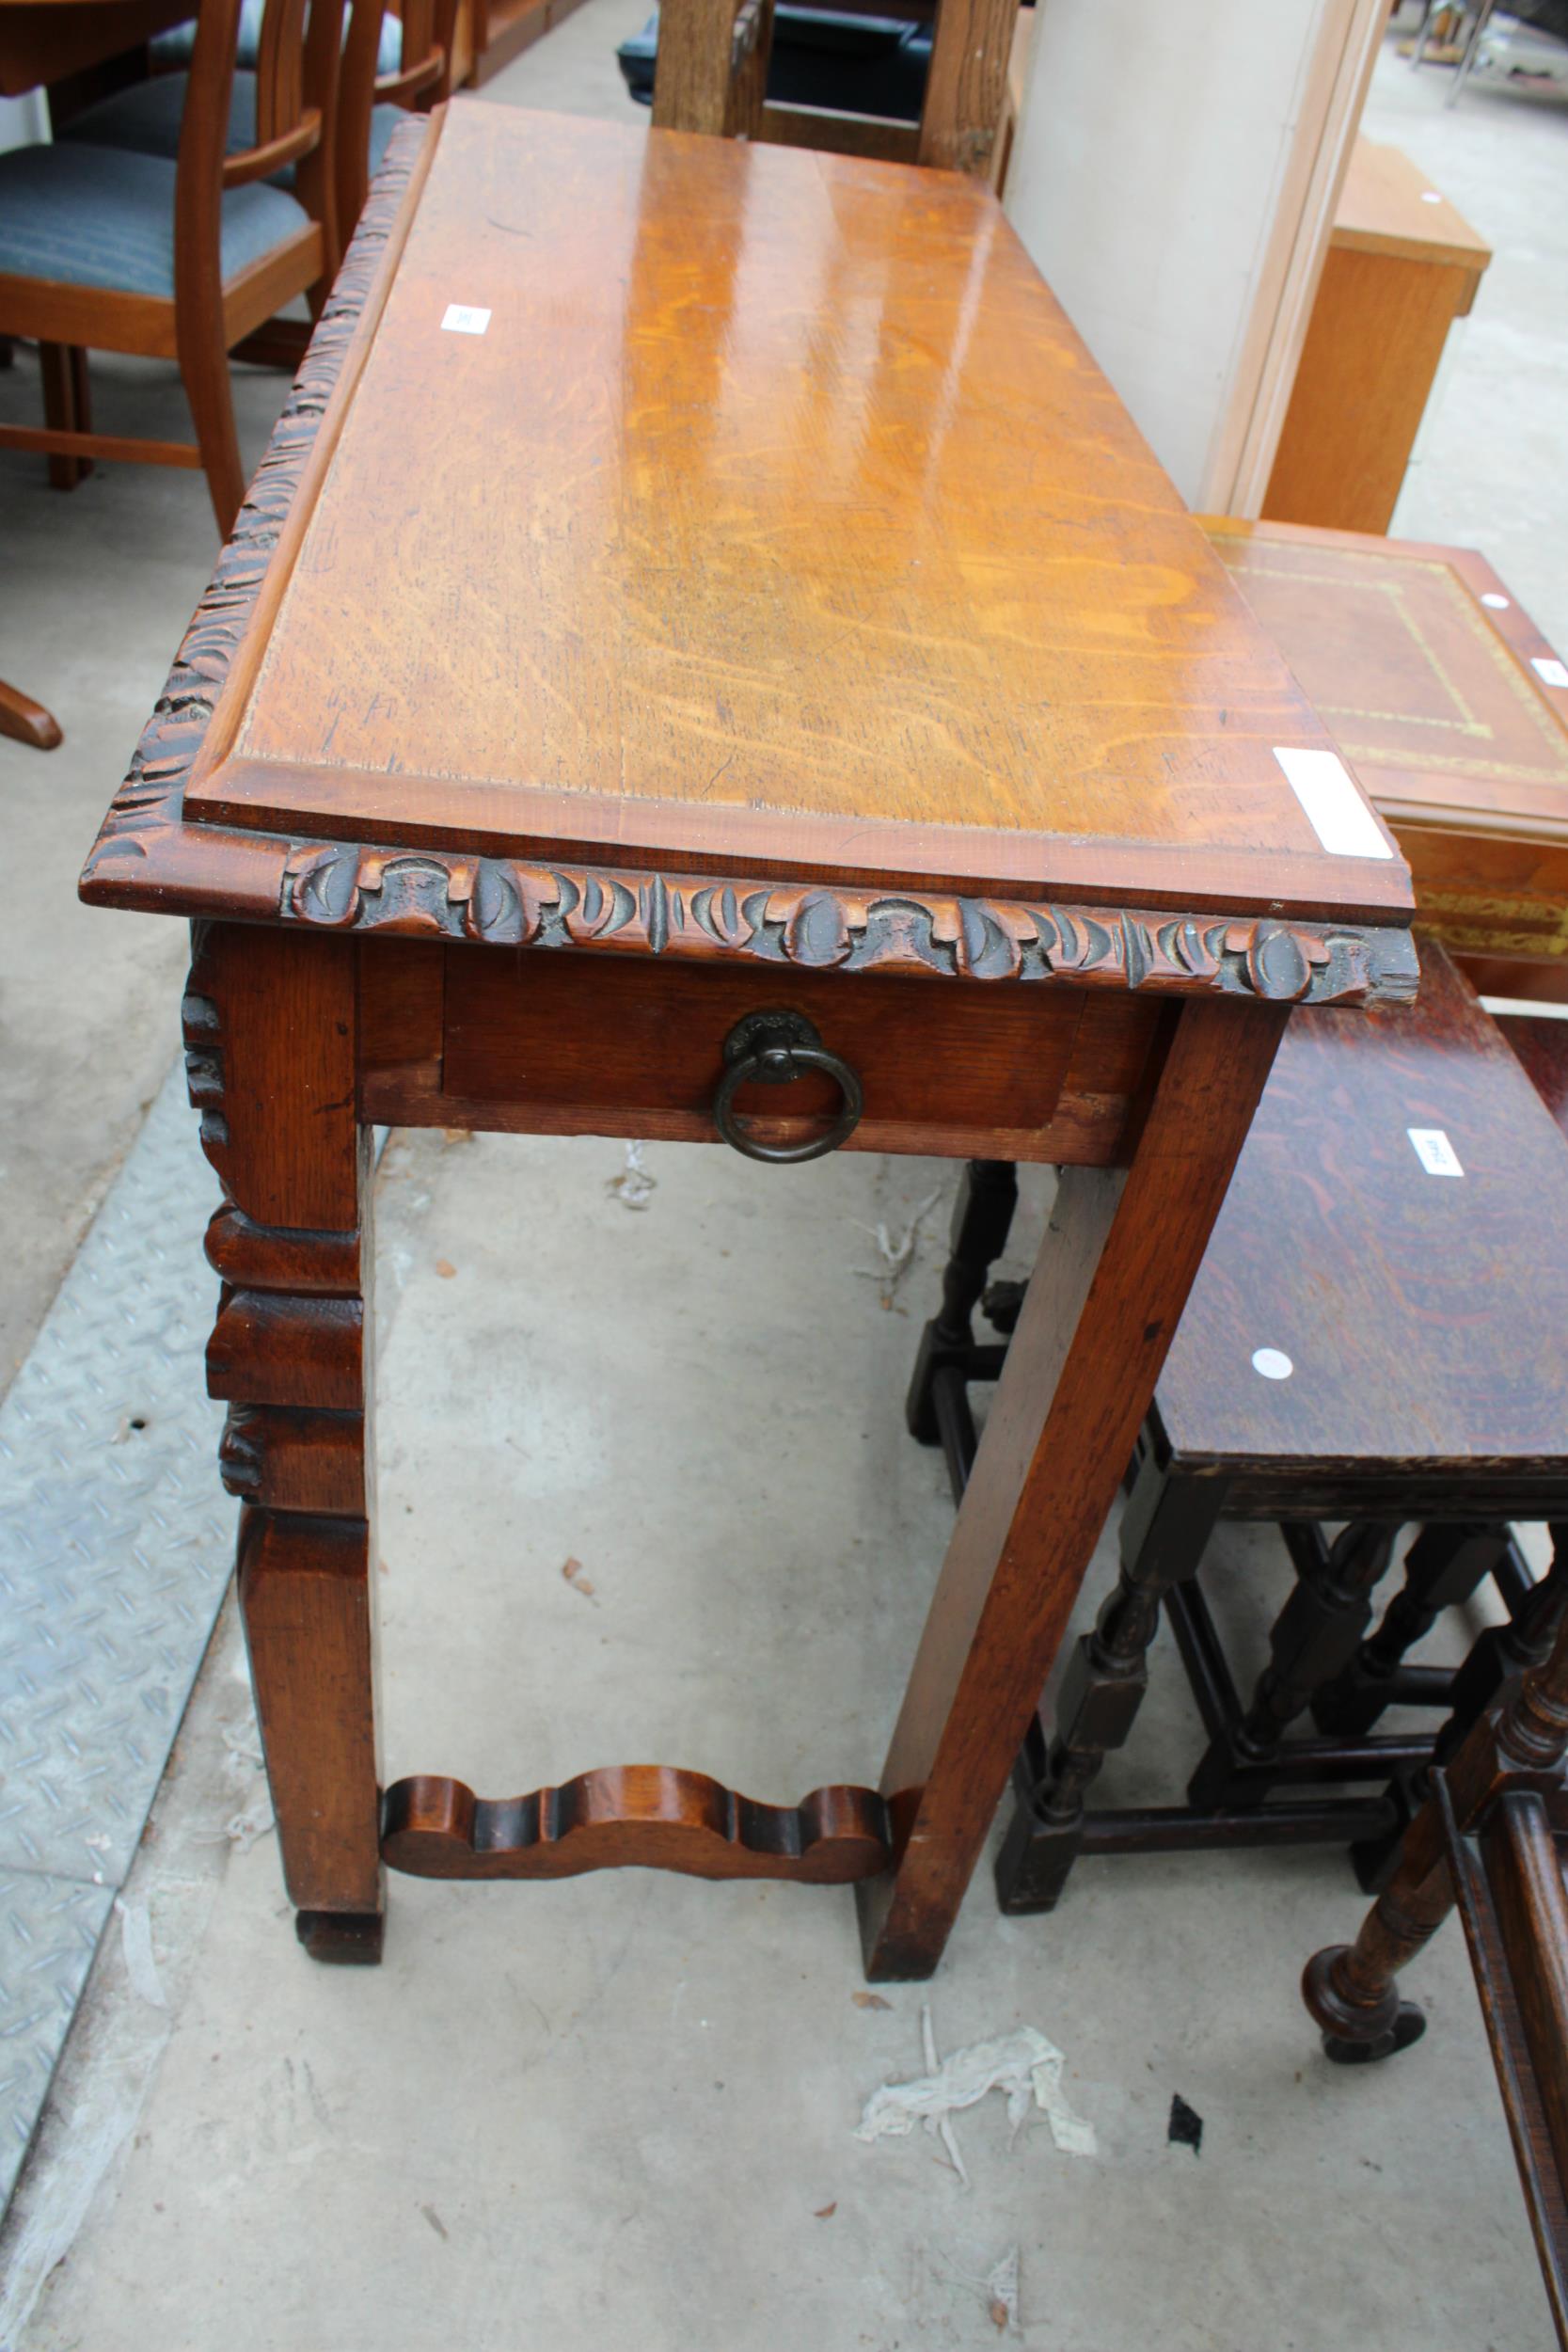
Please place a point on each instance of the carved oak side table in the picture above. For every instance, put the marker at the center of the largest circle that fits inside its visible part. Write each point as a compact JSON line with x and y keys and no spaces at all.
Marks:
{"x":706,"y":652}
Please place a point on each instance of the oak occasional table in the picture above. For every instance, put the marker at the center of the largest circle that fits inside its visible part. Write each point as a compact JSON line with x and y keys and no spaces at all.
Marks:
{"x":738,"y":667}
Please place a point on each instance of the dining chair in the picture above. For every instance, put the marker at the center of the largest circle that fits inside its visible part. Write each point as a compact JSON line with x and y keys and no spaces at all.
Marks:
{"x":103,"y":248}
{"x":388,"y":64}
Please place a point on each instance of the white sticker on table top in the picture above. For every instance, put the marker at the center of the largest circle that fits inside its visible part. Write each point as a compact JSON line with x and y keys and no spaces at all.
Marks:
{"x":1335,"y":808}
{"x":1434,"y":1151}
{"x":463,"y":319}
{"x":1271,"y":1362}
{"x":1431,"y":195}
{"x":1549,"y":670}
{"x":1498,"y":604}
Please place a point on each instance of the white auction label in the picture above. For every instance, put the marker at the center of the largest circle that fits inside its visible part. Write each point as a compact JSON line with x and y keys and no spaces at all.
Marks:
{"x":1489,"y":596}
{"x":1335,"y":809}
{"x":463,"y":319}
{"x":1271,"y":1362}
{"x":1549,"y":670}
{"x":1434,"y":1151}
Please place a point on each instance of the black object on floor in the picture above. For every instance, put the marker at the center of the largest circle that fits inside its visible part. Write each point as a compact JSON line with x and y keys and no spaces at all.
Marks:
{"x":1186,"y":2125}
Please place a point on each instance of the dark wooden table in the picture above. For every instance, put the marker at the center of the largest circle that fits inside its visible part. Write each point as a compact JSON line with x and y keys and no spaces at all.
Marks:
{"x":771,"y":612}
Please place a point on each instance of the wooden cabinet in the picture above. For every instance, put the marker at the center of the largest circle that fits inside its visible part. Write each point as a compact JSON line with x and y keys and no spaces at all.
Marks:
{"x":1403,"y":264}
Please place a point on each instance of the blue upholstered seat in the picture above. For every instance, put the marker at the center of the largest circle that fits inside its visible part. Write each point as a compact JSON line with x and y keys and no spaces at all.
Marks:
{"x":384,"y":122}
{"x":176,"y":46}
{"x":101,"y":216}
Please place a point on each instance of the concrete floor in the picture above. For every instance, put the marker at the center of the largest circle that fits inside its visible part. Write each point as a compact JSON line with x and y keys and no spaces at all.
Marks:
{"x":619,"y":2111}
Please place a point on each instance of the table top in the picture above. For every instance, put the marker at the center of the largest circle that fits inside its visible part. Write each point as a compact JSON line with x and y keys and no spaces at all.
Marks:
{"x":1388,"y":205}
{"x":1435,"y":683}
{"x":775,"y":529}
{"x":42,"y":41}
{"x":1424,"y":1317}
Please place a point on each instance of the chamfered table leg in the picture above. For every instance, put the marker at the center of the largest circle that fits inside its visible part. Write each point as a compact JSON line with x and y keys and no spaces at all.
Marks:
{"x":271,"y":1022}
{"x":1103,"y":1303}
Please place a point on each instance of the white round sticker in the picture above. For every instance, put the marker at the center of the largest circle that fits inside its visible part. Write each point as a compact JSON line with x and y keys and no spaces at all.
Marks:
{"x":1430,"y":195}
{"x":1271,"y":1362}
{"x":1489,"y":596}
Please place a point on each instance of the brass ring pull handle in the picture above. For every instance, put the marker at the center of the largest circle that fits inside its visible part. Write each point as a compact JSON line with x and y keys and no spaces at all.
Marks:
{"x":771,"y":1049}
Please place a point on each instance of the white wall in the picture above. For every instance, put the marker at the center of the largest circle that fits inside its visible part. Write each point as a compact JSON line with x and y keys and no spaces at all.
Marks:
{"x":1150,"y":167}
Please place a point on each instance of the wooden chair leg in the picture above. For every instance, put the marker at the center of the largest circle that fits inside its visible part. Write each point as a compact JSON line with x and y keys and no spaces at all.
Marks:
{"x":1351,"y":1988}
{"x":982,"y":1219}
{"x":1107,"y":1293}
{"x":1164,"y":1531}
{"x":270,"y":1041}
{"x":27,"y":722}
{"x":204,"y":371}
{"x":67,"y":407}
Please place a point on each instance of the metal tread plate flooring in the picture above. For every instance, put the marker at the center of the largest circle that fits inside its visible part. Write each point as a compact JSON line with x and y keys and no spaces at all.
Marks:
{"x":115,"y":1547}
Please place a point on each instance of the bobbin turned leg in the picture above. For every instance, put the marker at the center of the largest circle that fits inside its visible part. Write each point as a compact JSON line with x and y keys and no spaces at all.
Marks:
{"x":1442,"y":1569}
{"x":982,"y":1218}
{"x":1103,"y":1303}
{"x":1164,"y":1530}
{"x":271,"y":1031}
{"x":1350,"y":1989}
{"x":1313,"y":1637}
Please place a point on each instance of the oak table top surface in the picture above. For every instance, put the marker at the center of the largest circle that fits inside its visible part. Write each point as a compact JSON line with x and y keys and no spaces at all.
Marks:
{"x":777,"y":522}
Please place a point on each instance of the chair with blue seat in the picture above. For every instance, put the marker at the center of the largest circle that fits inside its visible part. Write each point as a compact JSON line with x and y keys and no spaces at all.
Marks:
{"x":388,"y":64}
{"x":105,"y":248}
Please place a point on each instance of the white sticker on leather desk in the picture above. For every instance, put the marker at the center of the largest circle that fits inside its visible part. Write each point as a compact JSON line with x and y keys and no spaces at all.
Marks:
{"x":1335,"y":809}
{"x":463,"y":319}
{"x":1434,"y":1151}
{"x":1271,"y":1362}
{"x":1549,"y":670}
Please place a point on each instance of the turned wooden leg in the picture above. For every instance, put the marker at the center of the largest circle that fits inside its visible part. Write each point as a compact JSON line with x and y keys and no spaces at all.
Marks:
{"x":1313,"y":1637}
{"x":1496,"y":1657}
{"x":982,"y":1218}
{"x":270,"y":1031}
{"x":1164,"y":1530}
{"x":1442,"y":1569}
{"x":1350,"y":1989}
{"x":1108,"y":1290}
{"x":67,"y":406}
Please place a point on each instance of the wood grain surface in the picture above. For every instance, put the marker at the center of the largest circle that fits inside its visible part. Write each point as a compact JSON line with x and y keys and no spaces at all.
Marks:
{"x":778,"y":514}
{"x":1425,"y":1316}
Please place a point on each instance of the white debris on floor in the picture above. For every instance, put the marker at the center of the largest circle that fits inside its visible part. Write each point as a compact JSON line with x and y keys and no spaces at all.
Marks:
{"x":1023,"y":2066}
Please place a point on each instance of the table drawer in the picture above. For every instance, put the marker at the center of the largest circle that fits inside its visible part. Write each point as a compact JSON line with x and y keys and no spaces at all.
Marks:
{"x":572,"y":1043}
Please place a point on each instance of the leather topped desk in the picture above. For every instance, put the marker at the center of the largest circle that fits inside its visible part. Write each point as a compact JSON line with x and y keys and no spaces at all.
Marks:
{"x":1452,"y":708}
{"x":742,"y":674}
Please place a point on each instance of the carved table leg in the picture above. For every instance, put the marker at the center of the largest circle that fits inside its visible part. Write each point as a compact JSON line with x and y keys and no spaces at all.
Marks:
{"x":271,"y":1031}
{"x":1165,"y":1530}
{"x":1442,"y":1569}
{"x":1314,"y":1636}
{"x":982,"y":1218}
{"x":1108,"y":1290}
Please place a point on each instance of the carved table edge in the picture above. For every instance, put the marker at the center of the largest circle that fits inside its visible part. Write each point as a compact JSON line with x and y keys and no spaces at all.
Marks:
{"x":147,"y":858}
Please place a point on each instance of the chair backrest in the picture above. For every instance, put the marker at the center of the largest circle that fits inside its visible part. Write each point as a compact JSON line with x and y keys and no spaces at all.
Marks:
{"x":712,"y":69}
{"x":421,"y":79}
{"x":712,"y":75}
{"x":297,"y":81}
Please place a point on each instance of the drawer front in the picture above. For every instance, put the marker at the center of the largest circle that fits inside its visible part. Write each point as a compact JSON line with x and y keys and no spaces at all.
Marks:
{"x":564,"y":1043}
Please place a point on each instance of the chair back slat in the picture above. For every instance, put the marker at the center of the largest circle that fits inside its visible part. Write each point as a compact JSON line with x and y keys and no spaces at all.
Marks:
{"x":422,"y":80}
